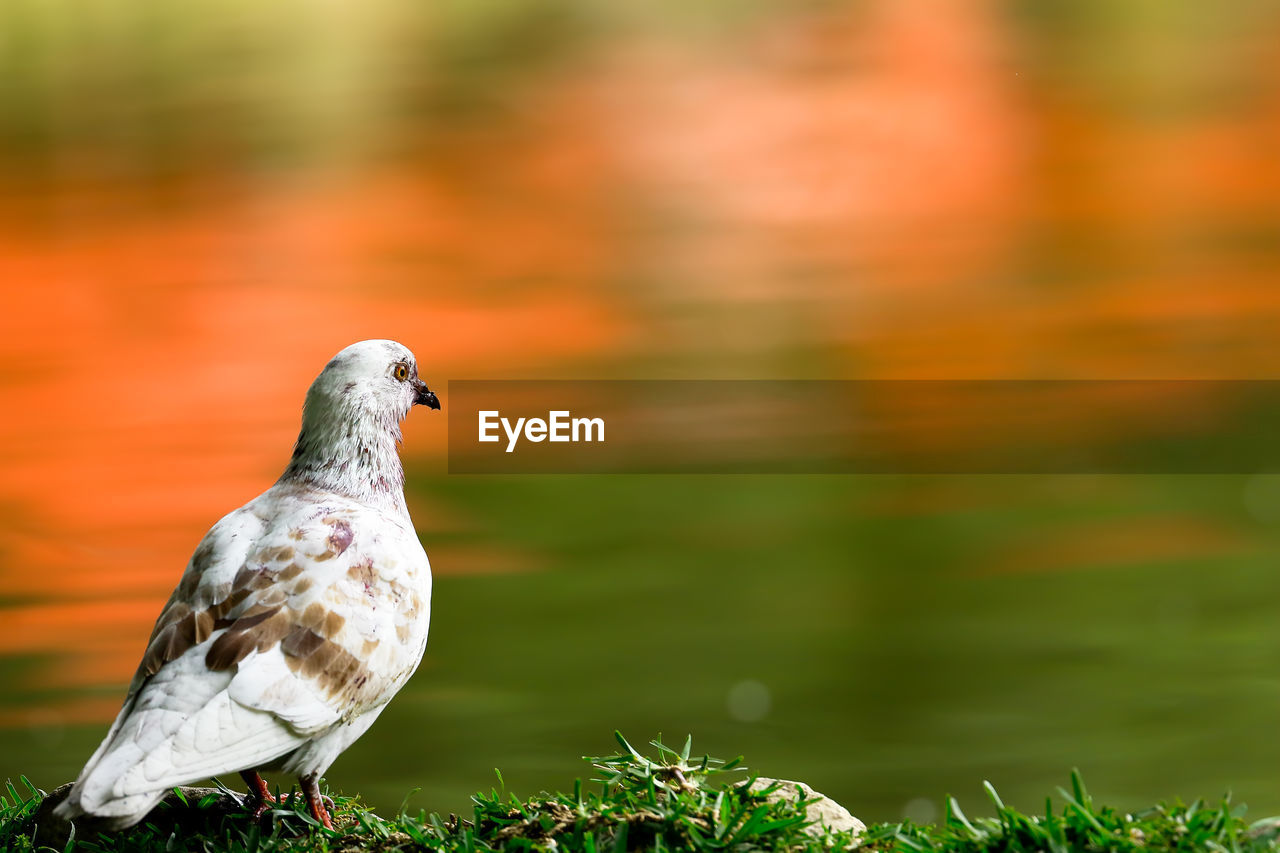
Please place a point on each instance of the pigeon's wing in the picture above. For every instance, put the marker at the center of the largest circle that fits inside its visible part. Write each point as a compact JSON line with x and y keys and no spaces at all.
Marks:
{"x":172,"y":687}
{"x":318,"y":619}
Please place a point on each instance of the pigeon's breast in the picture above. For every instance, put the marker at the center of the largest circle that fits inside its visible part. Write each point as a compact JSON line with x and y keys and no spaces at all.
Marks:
{"x":337,"y":593}
{"x":366,"y":611}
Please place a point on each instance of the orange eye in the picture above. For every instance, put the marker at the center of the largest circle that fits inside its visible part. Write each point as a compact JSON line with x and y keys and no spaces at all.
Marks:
{"x":402,"y":372}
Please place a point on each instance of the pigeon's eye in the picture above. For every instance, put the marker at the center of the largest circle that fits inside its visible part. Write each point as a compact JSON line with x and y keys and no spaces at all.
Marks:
{"x":402,"y":372}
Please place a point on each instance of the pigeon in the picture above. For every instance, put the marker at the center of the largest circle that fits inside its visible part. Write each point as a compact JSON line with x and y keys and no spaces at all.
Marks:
{"x":298,"y":617}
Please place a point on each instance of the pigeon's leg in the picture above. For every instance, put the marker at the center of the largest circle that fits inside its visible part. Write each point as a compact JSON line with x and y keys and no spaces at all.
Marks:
{"x":315,"y":802}
{"x":259,"y":795}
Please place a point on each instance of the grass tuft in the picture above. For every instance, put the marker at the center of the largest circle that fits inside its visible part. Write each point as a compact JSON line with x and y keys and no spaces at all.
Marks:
{"x":1080,"y":825}
{"x":666,"y":802}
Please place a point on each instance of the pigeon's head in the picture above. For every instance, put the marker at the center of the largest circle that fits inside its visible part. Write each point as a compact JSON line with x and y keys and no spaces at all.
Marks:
{"x":378,"y":378}
{"x":351,"y":423}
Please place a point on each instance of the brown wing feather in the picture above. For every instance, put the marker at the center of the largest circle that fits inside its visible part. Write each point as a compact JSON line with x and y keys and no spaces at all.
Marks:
{"x":255,"y":613}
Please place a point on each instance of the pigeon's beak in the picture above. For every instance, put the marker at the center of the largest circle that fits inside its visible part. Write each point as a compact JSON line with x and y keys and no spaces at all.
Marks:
{"x":424,"y":396}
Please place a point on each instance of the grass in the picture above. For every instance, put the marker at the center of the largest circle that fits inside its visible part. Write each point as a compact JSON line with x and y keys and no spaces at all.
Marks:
{"x":669,"y":802}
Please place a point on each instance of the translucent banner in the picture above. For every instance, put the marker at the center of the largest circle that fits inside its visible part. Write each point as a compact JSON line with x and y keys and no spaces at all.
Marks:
{"x":863,"y":427}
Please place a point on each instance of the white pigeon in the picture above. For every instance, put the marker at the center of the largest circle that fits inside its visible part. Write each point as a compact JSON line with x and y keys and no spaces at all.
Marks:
{"x":298,"y":618}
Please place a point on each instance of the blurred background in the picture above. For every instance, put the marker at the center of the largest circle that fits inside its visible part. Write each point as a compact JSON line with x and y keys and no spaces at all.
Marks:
{"x":201,"y":203}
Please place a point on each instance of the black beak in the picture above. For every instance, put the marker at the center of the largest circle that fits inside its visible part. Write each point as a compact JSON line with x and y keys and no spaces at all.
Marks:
{"x":424,"y":396}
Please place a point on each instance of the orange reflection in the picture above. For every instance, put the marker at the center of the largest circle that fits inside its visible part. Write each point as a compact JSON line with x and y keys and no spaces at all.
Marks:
{"x":875,"y":190}
{"x":155,"y":375}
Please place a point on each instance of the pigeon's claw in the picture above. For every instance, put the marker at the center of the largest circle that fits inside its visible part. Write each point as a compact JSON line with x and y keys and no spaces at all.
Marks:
{"x":315,"y":800}
{"x":259,"y":795}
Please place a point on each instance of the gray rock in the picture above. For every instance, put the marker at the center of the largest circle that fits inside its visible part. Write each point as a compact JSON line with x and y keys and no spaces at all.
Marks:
{"x":822,"y":810}
{"x":1267,"y":829}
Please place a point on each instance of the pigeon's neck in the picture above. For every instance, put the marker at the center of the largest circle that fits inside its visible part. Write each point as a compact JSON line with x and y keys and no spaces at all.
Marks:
{"x":352,"y":452}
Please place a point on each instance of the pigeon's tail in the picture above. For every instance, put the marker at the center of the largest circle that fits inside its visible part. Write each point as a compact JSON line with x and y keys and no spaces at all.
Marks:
{"x":110,"y":814}
{"x":91,"y":795}
{"x":153,"y":748}
{"x":74,"y":805}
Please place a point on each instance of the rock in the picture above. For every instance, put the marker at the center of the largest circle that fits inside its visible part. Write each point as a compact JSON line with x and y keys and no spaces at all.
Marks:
{"x":822,"y":810}
{"x":1266,"y":829}
{"x":53,"y":831}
